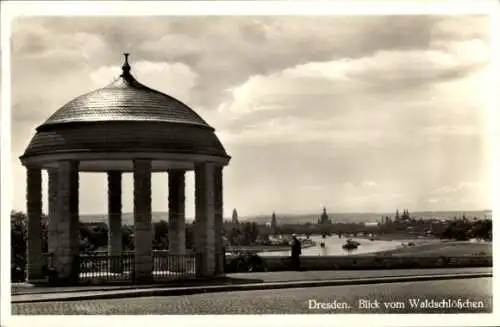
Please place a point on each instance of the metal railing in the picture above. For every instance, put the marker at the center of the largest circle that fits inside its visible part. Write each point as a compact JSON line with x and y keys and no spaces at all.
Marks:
{"x":173,"y":266}
{"x":99,"y":267}
{"x":103,"y":267}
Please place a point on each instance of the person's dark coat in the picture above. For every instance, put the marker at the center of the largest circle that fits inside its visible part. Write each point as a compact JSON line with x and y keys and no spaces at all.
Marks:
{"x":296,"y":247}
{"x":296,"y":252}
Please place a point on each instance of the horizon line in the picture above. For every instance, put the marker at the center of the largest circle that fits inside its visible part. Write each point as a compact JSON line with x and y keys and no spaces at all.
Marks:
{"x":284,"y":215}
{"x":319,"y":213}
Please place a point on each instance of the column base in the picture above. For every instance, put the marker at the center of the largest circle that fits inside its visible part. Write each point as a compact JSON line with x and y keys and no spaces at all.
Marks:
{"x":203,"y":271}
{"x":37,"y":281}
{"x":220,"y":274}
{"x":64,"y":281}
{"x":35,"y":276}
{"x":143,"y":279}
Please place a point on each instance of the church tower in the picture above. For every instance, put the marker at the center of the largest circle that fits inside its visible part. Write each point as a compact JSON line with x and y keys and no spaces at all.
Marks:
{"x":324,"y":218}
{"x":274,"y":224}
{"x":235,"y":217}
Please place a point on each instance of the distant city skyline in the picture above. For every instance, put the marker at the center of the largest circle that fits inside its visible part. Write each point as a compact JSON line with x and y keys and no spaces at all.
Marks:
{"x":334,"y":216}
{"x":347,"y":112}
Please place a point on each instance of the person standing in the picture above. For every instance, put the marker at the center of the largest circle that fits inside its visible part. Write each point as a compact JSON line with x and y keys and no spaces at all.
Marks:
{"x":323,"y":245}
{"x":296,"y":252}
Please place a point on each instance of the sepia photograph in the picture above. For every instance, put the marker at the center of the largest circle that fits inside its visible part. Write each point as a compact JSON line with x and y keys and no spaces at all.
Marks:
{"x":252,"y":163}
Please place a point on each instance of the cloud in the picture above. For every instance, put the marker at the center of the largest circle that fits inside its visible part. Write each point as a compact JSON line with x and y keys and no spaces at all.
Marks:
{"x":369,"y":184}
{"x":365,"y":185}
{"x":403,"y":69}
{"x":462,"y":187}
{"x":32,"y":41}
{"x":463,"y":194}
{"x":175,"y":79}
{"x":303,"y":105}
{"x":329,"y":100}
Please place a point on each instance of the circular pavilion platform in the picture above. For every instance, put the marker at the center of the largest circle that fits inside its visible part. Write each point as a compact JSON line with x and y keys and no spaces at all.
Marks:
{"x":124,"y":127}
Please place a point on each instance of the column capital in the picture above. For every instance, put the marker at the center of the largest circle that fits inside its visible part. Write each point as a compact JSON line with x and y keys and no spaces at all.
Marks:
{"x":67,"y":161}
{"x":32,"y":166}
{"x":176,"y":171}
{"x":200,"y":165}
{"x":138,"y":160}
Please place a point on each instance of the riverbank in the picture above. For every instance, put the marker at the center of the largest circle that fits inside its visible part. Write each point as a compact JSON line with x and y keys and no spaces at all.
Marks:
{"x":267,"y":248}
{"x":374,"y":262}
{"x":447,"y":248}
{"x":397,"y":237}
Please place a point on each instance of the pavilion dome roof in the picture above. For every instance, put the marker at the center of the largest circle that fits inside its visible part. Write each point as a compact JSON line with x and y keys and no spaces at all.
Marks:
{"x":125,"y":116}
{"x":125,"y":99}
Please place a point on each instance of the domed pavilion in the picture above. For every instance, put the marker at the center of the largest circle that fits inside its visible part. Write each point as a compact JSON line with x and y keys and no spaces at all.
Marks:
{"x":124,"y":127}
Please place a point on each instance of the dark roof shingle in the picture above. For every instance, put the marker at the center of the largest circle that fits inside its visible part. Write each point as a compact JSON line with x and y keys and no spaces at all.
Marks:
{"x":125,"y":100}
{"x":125,"y":116}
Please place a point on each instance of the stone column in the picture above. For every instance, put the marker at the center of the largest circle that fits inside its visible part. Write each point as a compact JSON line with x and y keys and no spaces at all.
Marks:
{"x":34,"y":225}
{"x":115,"y":220}
{"x":218,"y":221}
{"x":66,"y":261}
{"x":176,"y":212}
{"x":52,"y":228}
{"x":176,"y":219}
{"x":143,"y":239}
{"x":205,"y":219}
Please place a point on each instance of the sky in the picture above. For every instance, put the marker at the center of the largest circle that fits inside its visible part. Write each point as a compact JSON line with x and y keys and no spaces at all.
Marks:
{"x":354,"y":113}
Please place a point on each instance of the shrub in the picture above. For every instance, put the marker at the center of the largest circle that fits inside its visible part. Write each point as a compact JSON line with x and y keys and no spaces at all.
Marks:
{"x":246,"y":262}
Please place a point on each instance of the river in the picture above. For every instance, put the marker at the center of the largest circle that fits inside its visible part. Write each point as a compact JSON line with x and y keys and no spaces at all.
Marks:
{"x":333,"y":245}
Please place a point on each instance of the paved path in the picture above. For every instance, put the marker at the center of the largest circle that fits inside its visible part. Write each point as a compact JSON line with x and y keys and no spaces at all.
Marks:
{"x":279,"y":276}
{"x":283,"y":301}
{"x":255,"y":277}
{"x":238,"y":281}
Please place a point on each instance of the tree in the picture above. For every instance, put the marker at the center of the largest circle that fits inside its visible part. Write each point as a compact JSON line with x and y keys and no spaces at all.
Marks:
{"x":465,"y":229}
{"x":127,"y":238}
{"x":250,"y":233}
{"x":98,"y":236}
{"x":18,"y":245}
{"x":233,"y":236}
{"x":160,"y":238}
{"x":18,"y":235}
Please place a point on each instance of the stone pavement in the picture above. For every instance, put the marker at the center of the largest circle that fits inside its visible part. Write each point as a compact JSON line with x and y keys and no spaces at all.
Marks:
{"x":267,"y":301}
{"x":241,"y":281}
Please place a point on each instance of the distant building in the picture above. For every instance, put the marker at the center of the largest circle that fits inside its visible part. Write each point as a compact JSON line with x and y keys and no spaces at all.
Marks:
{"x":405,"y":216}
{"x":93,"y":225}
{"x":235,"y":217}
{"x":274,"y":224}
{"x":324,"y":220}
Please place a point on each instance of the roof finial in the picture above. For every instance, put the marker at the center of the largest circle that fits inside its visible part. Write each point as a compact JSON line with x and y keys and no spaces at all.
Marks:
{"x":126,"y":66}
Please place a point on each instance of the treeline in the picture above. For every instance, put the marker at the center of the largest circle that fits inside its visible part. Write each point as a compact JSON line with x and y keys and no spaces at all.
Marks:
{"x":94,"y":237}
{"x":245,"y":234}
{"x":464,"y":229}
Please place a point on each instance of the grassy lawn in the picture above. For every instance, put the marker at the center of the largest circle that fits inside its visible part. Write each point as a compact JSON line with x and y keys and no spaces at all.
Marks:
{"x":444,"y":249}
